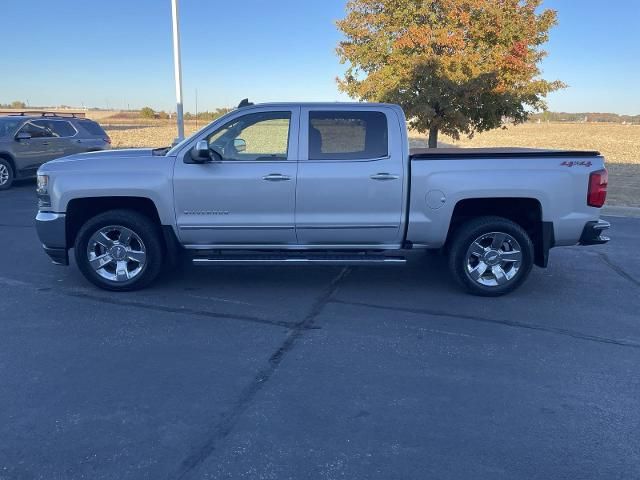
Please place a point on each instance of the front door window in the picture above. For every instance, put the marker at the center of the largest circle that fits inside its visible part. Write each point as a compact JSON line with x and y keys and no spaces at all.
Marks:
{"x":254,"y":137}
{"x":37,"y":129}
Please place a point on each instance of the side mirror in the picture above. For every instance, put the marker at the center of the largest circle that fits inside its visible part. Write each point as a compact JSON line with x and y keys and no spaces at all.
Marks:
{"x":23,"y":136}
{"x":240,"y":145}
{"x":201,"y":153}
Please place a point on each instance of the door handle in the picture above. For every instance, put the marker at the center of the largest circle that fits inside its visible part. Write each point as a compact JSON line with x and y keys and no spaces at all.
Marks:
{"x":384,"y":176}
{"x":44,"y":143}
{"x":276,"y":177}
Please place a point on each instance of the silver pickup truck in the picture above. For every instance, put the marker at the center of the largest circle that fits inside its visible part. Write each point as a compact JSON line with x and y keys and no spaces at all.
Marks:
{"x":323,"y":183}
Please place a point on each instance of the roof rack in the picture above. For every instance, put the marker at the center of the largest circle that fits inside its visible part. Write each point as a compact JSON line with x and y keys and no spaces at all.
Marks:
{"x":43,"y":113}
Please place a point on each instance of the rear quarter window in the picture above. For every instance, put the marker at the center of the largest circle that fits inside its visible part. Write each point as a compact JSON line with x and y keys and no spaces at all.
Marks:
{"x":92,"y":128}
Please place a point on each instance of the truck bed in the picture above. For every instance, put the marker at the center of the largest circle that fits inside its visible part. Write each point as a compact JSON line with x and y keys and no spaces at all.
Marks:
{"x":495,"y":153}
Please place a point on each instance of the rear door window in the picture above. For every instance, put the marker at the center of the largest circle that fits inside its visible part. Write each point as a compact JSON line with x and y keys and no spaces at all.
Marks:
{"x":343,"y":135}
{"x":61,"y":128}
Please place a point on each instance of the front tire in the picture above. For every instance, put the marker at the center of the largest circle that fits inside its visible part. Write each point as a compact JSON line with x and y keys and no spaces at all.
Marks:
{"x":6,"y":174}
{"x":491,"y":256}
{"x":119,"y":250}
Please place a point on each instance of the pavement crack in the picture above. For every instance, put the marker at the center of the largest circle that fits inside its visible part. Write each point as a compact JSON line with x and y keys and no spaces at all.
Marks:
{"x":117,"y":300}
{"x":605,"y":258}
{"x":507,"y":323}
{"x":223,"y":428}
{"x":180,"y":310}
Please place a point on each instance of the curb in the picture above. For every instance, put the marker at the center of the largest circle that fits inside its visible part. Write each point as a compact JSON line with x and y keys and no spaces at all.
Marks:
{"x":614,"y":211}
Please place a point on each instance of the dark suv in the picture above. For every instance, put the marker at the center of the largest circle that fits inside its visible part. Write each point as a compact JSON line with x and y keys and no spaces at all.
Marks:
{"x":29,"y":140}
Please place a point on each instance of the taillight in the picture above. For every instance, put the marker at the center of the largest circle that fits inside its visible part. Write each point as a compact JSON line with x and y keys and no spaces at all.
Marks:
{"x":107,"y":139}
{"x":597,"y":193}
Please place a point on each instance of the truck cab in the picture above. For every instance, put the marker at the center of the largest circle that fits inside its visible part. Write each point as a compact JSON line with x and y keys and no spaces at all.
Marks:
{"x":289,"y":176}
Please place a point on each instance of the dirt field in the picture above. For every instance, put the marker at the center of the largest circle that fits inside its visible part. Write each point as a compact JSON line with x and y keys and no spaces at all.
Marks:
{"x":620,"y":144}
{"x":153,"y":133}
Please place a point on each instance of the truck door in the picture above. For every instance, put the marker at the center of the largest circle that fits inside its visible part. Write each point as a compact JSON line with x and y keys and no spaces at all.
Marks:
{"x":350,"y":177}
{"x":247,"y":198}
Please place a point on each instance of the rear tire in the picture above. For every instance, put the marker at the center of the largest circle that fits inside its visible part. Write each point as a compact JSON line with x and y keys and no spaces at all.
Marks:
{"x":491,"y":256}
{"x":6,"y":174}
{"x":120,"y":250}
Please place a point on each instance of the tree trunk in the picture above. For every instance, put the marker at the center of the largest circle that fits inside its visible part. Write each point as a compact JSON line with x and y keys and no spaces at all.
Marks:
{"x":433,"y":137}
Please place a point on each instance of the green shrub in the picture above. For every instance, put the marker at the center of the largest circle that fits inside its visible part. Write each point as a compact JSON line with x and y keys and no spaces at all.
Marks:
{"x":147,"y":112}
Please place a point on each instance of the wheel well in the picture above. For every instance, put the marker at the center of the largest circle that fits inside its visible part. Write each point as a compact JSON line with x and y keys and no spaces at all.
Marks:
{"x":526,"y":212}
{"x":9,"y":159}
{"x":80,"y":210}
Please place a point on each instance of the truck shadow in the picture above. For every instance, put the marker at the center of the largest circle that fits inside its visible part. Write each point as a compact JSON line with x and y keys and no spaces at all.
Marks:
{"x":424,"y":270}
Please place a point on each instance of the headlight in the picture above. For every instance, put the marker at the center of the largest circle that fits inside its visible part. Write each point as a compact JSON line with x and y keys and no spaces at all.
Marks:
{"x":43,"y":185}
{"x":44,"y":201}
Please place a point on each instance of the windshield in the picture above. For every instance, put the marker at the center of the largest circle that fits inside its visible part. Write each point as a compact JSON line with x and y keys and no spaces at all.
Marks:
{"x":176,"y":148}
{"x":8,"y":126}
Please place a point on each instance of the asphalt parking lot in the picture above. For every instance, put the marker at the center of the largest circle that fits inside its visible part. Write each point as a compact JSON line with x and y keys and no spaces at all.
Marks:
{"x":296,"y":373}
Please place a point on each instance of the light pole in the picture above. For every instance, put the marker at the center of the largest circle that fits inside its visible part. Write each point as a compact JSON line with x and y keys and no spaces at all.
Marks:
{"x":177,"y":69}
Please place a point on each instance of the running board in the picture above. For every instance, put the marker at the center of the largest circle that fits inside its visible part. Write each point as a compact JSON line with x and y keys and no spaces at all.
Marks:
{"x":271,"y":259}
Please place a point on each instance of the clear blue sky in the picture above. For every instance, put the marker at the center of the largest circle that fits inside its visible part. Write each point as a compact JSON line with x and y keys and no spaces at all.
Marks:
{"x":118,"y":52}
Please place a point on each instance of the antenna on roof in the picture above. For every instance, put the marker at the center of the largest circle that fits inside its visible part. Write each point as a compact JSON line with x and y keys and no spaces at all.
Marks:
{"x":245,"y":103}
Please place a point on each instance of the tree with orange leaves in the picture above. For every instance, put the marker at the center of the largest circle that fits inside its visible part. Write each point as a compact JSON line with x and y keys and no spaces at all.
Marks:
{"x":455,"y":66}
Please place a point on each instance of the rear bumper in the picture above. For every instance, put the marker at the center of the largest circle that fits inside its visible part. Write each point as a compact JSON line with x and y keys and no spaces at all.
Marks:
{"x":51,"y":230}
{"x":592,"y":234}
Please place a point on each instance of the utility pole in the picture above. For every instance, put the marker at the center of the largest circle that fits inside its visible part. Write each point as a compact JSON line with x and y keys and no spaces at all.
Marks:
{"x":177,"y":69}
{"x":196,"y":109}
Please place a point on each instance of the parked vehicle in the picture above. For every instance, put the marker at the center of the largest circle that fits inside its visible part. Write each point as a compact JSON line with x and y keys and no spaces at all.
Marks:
{"x":301,"y":184}
{"x":28,"y":140}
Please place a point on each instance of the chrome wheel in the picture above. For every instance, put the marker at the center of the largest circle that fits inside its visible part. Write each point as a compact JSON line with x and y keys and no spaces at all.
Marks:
{"x":493,"y":259}
{"x":4,"y":174}
{"x":116,"y":253}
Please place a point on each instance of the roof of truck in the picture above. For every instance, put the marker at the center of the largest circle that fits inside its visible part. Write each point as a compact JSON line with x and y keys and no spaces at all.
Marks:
{"x":322,"y":104}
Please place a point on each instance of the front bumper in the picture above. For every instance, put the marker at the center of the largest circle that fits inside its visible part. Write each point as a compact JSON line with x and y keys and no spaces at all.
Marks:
{"x":592,"y":233}
{"x":51,"y":228}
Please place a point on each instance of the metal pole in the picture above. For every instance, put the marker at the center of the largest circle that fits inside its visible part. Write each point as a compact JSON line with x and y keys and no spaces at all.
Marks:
{"x":177,"y":68}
